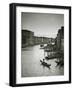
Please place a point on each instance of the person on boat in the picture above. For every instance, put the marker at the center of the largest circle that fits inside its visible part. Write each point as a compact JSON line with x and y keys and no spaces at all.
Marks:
{"x":43,"y":60}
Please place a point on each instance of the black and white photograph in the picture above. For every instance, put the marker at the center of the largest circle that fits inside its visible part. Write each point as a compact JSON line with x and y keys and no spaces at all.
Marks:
{"x":42,"y":52}
{"x":40,"y":44}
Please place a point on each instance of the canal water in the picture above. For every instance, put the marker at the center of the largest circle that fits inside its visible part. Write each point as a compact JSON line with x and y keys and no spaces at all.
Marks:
{"x":32,"y":67}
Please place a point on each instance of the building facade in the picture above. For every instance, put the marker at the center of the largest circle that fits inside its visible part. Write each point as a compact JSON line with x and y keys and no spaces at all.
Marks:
{"x":42,"y":40}
{"x":60,"y":39}
{"x":27,"y":38}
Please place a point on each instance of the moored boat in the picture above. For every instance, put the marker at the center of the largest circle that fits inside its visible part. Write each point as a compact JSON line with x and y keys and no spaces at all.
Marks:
{"x":41,"y":45}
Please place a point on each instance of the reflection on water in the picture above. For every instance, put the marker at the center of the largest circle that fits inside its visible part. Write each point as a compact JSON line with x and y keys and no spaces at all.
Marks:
{"x":32,"y":67}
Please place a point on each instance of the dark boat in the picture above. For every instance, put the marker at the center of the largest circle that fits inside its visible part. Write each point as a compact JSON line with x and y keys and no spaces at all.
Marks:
{"x":50,"y":57}
{"x":61,"y":63}
{"x":45,"y":64}
{"x":41,"y":45}
{"x":58,"y":62}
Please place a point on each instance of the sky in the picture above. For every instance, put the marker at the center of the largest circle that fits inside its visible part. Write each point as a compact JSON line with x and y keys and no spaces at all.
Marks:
{"x":42,"y":24}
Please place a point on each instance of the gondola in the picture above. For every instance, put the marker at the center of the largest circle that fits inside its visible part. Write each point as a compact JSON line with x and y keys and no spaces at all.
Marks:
{"x":45,"y":64}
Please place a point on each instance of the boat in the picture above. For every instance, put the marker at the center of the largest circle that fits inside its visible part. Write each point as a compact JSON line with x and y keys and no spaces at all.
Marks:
{"x":58,"y":62}
{"x":45,"y":64}
{"x":50,"y":57}
{"x":61,"y":63}
{"x":41,"y":45}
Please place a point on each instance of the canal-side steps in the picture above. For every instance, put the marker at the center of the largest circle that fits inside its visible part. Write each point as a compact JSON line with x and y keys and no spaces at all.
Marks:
{"x":45,"y":64}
